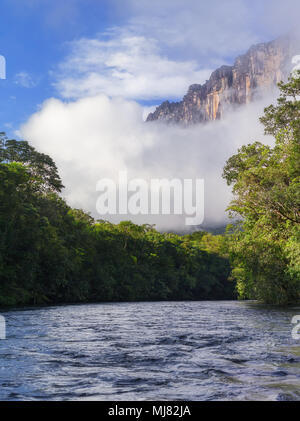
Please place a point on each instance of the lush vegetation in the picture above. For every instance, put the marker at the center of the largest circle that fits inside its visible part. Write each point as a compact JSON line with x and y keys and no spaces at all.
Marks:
{"x":50,"y":253}
{"x":265,"y":246}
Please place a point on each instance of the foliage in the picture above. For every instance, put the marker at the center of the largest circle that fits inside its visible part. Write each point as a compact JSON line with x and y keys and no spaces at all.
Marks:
{"x":50,"y":253}
{"x":265,"y":247}
{"x":41,"y":167}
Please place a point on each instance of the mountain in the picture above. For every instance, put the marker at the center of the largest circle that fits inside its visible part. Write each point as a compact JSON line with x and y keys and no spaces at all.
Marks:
{"x":261,"y":68}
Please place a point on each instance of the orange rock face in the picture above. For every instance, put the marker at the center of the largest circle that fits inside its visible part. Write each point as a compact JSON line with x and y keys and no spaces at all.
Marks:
{"x":261,"y":68}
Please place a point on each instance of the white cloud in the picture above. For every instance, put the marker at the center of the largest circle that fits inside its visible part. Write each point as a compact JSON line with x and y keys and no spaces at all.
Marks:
{"x":147,"y":110}
{"x":95,"y":138}
{"x":296,"y":63}
{"x":204,"y":29}
{"x":210,"y":31}
{"x":25,"y":80}
{"x":127,"y":66}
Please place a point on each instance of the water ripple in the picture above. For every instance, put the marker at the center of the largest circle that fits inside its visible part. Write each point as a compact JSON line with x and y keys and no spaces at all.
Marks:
{"x":150,"y":351}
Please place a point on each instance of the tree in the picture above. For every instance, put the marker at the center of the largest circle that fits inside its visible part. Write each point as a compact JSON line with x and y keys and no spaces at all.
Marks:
{"x":266,"y":186}
{"x":40,"y":166}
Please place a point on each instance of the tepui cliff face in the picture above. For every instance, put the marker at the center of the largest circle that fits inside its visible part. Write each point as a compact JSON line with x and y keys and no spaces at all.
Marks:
{"x":261,"y":68}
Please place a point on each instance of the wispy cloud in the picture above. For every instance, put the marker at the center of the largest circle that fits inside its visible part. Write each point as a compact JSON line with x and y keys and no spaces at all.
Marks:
{"x":25,"y":80}
{"x":208,"y":30}
{"x":211,"y":30}
{"x":125,"y":65}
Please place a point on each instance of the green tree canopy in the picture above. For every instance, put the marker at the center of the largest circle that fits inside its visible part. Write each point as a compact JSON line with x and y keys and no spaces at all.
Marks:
{"x":41,"y":166}
{"x":266,"y":187}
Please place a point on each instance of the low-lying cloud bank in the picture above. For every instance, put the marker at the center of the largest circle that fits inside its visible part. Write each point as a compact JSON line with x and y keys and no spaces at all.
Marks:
{"x":96,"y":137}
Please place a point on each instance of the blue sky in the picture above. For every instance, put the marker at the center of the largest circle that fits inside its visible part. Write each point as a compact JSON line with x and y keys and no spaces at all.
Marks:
{"x":144,"y":51}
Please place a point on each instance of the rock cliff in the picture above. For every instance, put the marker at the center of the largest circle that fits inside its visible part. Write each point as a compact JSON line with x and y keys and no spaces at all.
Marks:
{"x":261,"y":68}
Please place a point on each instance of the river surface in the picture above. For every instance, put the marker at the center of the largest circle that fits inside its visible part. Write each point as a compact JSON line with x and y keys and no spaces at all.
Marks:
{"x":150,"y":351}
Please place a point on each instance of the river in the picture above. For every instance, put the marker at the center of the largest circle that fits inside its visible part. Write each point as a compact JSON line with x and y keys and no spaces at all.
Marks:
{"x":150,"y":351}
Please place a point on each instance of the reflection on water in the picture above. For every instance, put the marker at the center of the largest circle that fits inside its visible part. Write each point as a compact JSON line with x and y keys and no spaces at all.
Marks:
{"x":151,"y":351}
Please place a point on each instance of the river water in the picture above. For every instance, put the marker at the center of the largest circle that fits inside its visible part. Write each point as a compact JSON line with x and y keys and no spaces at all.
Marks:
{"x":150,"y":351}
